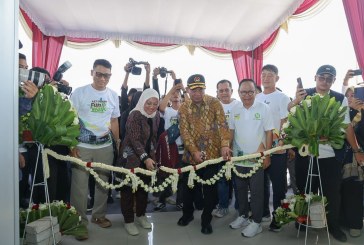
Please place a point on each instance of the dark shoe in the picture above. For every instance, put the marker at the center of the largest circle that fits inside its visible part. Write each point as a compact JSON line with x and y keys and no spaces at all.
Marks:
{"x":206,"y":229}
{"x":274,"y":226}
{"x":159,"y":206}
{"x":338,"y":234}
{"x":179,"y":206}
{"x":183,"y":221}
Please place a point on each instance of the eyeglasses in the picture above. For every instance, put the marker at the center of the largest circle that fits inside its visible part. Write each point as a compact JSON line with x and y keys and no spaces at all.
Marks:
{"x":244,"y":93}
{"x":100,"y":75}
{"x":329,"y":79}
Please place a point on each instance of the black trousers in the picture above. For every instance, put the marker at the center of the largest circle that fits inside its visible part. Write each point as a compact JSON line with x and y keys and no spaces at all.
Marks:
{"x":209,"y":194}
{"x":352,"y":204}
{"x":330,"y":171}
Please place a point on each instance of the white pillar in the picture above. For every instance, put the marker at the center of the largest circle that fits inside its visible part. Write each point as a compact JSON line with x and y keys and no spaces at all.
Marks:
{"x":9,"y":214}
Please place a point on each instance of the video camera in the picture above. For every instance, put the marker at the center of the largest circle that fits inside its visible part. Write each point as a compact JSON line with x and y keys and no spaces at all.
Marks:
{"x":163,"y":72}
{"x":57,"y":77}
{"x":134,"y":69}
{"x":36,"y":77}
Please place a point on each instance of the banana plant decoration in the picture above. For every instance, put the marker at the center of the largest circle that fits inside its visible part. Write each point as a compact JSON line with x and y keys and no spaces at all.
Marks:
{"x":316,"y":120}
{"x":53,"y":120}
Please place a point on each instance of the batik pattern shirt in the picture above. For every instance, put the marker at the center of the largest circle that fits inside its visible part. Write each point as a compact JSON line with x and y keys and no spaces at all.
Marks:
{"x":203,"y":128}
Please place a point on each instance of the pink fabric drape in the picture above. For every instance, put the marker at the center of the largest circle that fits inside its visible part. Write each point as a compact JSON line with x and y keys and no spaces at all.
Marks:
{"x":46,"y":50}
{"x":249,"y":64}
{"x":354,"y":10}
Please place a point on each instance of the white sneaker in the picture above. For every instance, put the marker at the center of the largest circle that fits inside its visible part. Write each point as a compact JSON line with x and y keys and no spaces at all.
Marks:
{"x":252,"y":229}
{"x":131,"y":229}
{"x":239,"y":222}
{"x":221,"y":212}
{"x":143,"y":222}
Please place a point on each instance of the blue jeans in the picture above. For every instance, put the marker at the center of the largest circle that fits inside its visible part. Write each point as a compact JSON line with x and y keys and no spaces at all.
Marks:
{"x":276,"y":172}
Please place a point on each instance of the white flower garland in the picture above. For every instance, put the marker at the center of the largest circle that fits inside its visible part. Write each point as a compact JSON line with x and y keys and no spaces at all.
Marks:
{"x":131,"y":177}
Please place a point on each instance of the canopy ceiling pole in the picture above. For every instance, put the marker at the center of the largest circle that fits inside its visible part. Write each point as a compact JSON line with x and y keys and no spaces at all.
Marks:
{"x":9,"y":174}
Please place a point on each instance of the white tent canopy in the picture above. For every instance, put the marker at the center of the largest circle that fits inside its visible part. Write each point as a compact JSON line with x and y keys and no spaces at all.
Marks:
{"x":229,"y":24}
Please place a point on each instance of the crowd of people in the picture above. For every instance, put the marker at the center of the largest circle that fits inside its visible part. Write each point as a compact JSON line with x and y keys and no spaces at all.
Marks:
{"x":187,"y":127}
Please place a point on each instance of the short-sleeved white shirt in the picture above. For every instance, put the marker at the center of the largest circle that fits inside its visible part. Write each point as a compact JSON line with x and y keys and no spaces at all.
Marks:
{"x":229,"y":107}
{"x":278,"y":104}
{"x":95,"y":109}
{"x":249,"y":126}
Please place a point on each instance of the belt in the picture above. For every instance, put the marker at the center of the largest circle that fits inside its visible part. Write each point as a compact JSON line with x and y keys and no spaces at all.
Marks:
{"x":95,"y":140}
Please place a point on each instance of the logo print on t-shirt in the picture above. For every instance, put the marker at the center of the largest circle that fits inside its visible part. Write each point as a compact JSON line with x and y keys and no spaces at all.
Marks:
{"x":173,"y":120}
{"x":227,"y":115}
{"x":257,"y":116}
{"x":98,"y":106}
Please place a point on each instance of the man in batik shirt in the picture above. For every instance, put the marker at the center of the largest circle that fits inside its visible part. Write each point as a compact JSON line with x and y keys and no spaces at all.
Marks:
{"x":205,"y":134}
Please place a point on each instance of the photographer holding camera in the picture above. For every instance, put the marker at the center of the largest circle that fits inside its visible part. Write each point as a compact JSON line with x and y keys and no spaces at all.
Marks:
{"x":58,"y":181}
{"x":30,"y":90}
{"x":131,"y":68}
{"x":170,"y":145}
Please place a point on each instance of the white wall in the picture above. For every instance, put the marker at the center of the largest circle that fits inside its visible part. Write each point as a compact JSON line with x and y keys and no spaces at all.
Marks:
{"x":9,"y":225}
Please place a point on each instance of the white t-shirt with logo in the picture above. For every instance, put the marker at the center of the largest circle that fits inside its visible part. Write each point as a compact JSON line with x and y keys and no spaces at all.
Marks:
{"x":95,"y":109}
{"x":170,"y":116}
{"x":249,"y":126}
{"x":229,"y":107}
{"x":278,"y":104}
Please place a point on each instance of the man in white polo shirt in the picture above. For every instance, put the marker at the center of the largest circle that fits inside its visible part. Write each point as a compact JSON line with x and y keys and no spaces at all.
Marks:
{"x":251,"y":125}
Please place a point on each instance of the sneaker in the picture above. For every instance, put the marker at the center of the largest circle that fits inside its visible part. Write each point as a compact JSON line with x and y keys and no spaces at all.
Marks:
{"x":143,"y":222}
{"x":266,"y":218}
{"x":171,"y":200}
{"x":252,"y":229}
{"x":221,"y":212}
{"x":274,"y":226}
{"x":102,"y":222}
{"x":179,"y":206}
{"x":160,"y":206}
{"x":239,"y":222}
{"x":131,"y":229}
{"x":355,"y":232}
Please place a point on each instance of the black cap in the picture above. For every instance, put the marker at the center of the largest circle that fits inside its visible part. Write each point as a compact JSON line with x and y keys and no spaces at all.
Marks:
{"x":326,"y":69}
{"x":196,"y":81}
{"x":20,"y":45}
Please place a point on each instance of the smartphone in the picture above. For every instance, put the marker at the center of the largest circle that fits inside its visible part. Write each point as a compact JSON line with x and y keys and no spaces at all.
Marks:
{"x":357,"y":72}
{"x":299,"y":83}
{"x":177,"y":81}
{"x":359,"y":93}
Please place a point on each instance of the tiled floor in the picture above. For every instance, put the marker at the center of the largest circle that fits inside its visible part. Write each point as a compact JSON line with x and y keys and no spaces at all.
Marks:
{"x":165,"y":231}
